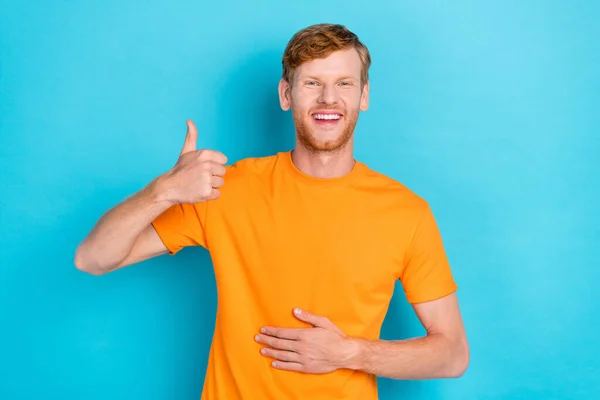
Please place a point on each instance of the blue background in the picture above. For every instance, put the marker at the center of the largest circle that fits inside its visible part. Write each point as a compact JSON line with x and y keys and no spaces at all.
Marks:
{"x":488,"y":110}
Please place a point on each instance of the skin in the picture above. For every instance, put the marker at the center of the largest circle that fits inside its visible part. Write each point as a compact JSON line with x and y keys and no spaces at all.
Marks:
{"x":124,"y":235}
{"x":331,"y":84}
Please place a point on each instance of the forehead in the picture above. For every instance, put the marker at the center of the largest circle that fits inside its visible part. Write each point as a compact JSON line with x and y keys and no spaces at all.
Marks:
{"x":339,"y":63}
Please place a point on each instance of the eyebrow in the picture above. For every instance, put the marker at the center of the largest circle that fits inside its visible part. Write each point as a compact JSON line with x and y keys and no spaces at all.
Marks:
{"x":343,"y":78}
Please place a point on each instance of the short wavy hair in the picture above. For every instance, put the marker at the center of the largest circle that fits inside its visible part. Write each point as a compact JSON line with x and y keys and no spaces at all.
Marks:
{"x":318,"y":41}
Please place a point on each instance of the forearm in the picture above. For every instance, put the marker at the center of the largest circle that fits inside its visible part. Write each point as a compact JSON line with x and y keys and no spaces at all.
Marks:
{"x":113,"y":236}
{"x":429,"y":357}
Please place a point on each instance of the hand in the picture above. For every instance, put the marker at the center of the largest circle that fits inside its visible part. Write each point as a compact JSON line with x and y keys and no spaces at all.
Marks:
{"x":197,"y":175}
{"x":320,"y":349}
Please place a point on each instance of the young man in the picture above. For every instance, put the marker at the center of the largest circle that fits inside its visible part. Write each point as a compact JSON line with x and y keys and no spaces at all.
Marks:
{"x":306,"y":244}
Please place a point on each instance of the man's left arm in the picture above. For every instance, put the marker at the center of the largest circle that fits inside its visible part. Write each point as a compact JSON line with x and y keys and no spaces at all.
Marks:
{"x":430,"y":288}
{"x":442,"y":353}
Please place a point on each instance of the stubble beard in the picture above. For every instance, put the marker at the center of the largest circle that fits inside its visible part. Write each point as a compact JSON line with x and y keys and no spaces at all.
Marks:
{"x":308,"y":139}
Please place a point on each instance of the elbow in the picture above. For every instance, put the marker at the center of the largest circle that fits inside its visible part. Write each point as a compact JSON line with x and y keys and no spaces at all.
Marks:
{"x":85,"y":263}
{"x":460,"y":360}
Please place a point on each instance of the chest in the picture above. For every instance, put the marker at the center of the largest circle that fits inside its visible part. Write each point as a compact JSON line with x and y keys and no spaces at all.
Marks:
{"x":299,"y":241}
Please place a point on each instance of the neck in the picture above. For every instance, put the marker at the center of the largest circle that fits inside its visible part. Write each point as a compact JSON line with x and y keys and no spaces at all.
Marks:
{"x":324,"y":163}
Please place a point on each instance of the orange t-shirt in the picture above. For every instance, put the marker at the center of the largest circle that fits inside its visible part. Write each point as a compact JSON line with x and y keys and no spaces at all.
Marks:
{"x":281,"y":239}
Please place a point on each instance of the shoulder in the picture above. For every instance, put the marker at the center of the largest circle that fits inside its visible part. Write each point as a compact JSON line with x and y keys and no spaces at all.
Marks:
{"x":250,"y":167}
{"x":393,"y":189}
{"x":248,"y":172}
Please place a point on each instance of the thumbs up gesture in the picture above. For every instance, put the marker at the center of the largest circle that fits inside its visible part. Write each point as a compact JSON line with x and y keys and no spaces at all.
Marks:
{"x":198,"y":174}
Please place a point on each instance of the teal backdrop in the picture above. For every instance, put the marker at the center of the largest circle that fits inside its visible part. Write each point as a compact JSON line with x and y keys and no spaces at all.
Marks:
{"x":489,"y":110}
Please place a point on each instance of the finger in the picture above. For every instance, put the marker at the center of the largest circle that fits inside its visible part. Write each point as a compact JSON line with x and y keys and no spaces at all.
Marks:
{"x":280,"y":354}
{"x":276,"y":343}
{"x":288,"y":366}
{"x":217,"y":181}
{"x":214,"y":195}
{"x":190,"y":138}
{"x":217,"y":169}
{"x":216,"y":156}
{"x":284,"y":333}
{"x":312,"y":319}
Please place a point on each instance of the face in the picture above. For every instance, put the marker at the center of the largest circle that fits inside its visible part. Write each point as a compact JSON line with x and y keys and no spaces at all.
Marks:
{"x":325,"y":98}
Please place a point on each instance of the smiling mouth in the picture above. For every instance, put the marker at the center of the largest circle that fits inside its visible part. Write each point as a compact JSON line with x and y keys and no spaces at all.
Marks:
{"x":327,"y":117}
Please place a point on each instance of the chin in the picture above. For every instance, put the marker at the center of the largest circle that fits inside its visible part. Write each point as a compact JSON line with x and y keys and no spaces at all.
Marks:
{"x":326,"y":143}
{"x":323,"y":138}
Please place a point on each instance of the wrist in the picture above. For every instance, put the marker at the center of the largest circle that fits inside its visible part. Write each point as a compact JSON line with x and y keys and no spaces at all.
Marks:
{"x":160,"y":190}
{"x":355,"y":353}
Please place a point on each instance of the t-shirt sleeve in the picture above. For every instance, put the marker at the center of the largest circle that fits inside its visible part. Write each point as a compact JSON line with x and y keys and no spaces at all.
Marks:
{"x":426,"y":274}
{"x":182,"y":225}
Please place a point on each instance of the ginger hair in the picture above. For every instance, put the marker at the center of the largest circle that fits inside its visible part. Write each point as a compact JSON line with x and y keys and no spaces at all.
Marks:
{"x":319,"y":41}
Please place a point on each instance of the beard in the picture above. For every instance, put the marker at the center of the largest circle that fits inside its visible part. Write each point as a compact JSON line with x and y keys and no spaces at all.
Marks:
{"x":306,"y":135}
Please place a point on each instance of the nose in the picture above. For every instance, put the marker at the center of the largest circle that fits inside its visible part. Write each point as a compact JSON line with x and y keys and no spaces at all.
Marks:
{"x":328,"y":95}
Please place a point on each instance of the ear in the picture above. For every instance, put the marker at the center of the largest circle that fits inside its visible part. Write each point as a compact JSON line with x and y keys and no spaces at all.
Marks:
{"x":364,"y":97}
{"x":285,"y":95}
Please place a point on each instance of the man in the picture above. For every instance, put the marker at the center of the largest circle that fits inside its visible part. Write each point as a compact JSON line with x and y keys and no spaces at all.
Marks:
{"x":306,"y":244}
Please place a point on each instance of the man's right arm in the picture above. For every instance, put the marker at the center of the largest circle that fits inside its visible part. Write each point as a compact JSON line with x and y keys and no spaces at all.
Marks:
{"x":125,"y":234}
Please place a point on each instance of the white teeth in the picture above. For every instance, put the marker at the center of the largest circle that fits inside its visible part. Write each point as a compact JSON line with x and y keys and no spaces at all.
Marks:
{"x":327,"y":116}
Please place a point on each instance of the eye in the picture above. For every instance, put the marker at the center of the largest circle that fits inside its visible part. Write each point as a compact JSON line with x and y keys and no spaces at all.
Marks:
{"x":312,"y":83}
{"x":345,"y":83}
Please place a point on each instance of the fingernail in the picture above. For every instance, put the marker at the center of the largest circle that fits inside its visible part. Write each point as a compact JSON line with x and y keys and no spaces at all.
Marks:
{"x":263,"y":352}
{"x":297,"y":311}
{"x":274,"y":364}
{"x":263,"y":330}
{"x":257,"y":338}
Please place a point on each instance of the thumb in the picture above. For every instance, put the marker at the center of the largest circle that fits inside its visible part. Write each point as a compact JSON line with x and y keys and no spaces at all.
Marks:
{"x":190,"y":138}
{"x":312,"y":319}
